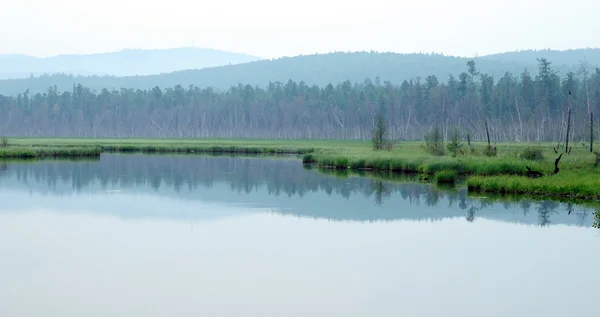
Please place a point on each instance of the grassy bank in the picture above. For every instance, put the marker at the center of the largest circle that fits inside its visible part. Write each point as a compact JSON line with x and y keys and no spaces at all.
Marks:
{"x":573,"y":184}
{"x":503,"y":173}
{"x":21,"y":152}
{"x":411,"y":157}
{"x":126,"y":145}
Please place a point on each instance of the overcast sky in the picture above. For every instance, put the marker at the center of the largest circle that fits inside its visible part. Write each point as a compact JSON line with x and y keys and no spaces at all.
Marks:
{"x":274,"y":28}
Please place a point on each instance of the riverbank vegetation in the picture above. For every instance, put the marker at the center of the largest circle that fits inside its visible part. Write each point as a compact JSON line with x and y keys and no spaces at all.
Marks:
{"x":508,"y":171}
{"x":18,"y":152}
{"x":174,"y":145}
{"x":501,"y":168}
{"x":502,"y":136}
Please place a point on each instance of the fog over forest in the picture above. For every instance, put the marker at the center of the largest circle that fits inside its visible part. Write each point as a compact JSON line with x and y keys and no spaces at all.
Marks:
{"x":523,"y":96}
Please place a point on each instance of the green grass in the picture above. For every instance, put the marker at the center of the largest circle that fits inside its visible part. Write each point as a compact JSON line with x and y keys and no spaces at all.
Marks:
{"x":20,"y":152}
{"x":126,"y":145}
{"x":503,"y":173}
{"x":578,"y":184}
{"x":410,"y":157}
{"x":445,"y":177}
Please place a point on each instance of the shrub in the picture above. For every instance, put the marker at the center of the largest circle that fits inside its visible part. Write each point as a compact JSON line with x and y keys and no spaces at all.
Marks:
{"x":532,"y":154}
{"x":434,"y":142}
{"x":381,"y":135}
{"x":455,"y":146}
{"x":4,"y":142}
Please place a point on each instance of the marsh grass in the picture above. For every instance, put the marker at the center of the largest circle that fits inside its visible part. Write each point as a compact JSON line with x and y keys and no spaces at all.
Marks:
{"x":502,"y":172}
{"x":532,"y":154}
{"x":125,"y":145}
{"x":16,"y":152}
{"x":445,"y":177}
{"x":580,"y":185}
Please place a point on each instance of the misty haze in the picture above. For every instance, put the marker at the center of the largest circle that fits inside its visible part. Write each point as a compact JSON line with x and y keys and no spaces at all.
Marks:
{"x":322,"y":158}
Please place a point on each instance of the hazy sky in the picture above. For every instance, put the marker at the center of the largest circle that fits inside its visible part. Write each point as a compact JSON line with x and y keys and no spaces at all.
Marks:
{"x":273,"y":28}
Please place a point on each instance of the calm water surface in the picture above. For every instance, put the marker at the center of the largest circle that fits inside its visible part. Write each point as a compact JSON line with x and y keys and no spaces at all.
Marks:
{"x":138,"y":235}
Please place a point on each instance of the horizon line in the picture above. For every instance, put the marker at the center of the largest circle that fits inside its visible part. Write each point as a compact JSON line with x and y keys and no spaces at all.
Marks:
{"x":475,"y":55}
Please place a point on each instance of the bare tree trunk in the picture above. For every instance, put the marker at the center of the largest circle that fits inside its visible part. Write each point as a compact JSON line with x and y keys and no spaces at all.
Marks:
{"x":444,"y":129}
{"x":469,"y":141}
{"x":568,"y":128}
{"x":487,"y":132}
{"x":587,"y":91}
{"x":591,"y":132}
{"x":519,"y":115}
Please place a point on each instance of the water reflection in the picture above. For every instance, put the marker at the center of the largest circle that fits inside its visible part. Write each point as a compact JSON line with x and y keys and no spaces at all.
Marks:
{"x":186,"y":236}
{"x":284,"y":186}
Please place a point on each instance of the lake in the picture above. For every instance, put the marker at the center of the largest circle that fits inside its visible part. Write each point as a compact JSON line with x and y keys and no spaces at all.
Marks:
{"x":138,"y":235}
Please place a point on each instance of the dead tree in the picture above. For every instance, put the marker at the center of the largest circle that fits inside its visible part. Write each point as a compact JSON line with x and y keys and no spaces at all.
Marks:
{"x":591,"y":132}
{"x":469,"y":141}
{"x":487,"y":132}
{"x":556,"y":169}
{"x":533,"y":174}
{"x":520,"y":122}
{"x":568,"y":128}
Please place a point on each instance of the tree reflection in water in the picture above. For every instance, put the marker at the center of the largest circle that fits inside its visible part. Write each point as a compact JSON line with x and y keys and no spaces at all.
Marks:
{"x":278,"y":177}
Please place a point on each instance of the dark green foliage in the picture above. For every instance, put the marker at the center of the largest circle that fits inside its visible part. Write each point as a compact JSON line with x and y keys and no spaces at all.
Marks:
{"x":445,"y":177}
{"x":455,"y":147}
{"x":434,"y":142}
{"x":532,"y":154}
{"x":43,"y":152}
{"x":380,"y":136}
{"x":308,"y":158}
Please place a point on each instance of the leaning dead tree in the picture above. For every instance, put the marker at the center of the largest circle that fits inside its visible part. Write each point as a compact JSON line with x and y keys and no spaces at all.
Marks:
{"x":487,"y":132}
{"x":535,"y":174}
{"x":556,"y":169}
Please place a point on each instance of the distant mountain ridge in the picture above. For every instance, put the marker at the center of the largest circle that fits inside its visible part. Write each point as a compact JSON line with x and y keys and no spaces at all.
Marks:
{"x":317,"y":69}
{"x":562,"y":57}
{"x":129,"y":62}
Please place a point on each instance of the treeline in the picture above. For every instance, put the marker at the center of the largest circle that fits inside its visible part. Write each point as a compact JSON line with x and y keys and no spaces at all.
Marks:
{"x":529,"y":106}
{"x":316,"y":69}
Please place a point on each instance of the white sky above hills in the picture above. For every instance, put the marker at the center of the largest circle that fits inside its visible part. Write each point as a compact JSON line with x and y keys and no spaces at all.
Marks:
{"x":275,"y":28}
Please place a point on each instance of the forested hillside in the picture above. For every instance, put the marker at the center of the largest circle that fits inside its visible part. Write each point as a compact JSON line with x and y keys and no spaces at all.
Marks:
{"x":320,"y":69}
{"x":122,"y":63}
{"x":526,"y":106}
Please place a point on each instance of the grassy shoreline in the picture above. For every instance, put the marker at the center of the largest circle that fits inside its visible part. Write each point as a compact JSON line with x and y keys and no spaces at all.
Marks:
{"x":501,"y":174}
{"x":125,"y":145}
{"x":19,"y":152}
